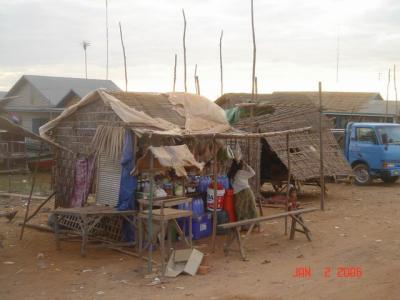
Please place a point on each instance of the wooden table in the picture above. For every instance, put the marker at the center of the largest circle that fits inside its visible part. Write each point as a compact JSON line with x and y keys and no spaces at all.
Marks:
{"x":166,"y":216}
{"x":88,"y":217}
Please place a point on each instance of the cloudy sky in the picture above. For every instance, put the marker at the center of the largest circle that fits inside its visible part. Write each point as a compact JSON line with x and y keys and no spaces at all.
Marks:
{"x":296,"y":42}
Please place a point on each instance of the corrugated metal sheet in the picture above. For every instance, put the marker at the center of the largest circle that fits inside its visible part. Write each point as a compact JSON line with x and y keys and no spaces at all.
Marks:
{"x":109,"y":175}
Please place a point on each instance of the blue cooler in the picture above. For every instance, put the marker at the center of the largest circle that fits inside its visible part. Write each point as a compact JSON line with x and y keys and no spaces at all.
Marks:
{"x":202,"y":226}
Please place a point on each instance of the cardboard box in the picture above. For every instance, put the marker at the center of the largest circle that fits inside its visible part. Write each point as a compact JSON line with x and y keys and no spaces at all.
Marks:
{"x":183,"y":261}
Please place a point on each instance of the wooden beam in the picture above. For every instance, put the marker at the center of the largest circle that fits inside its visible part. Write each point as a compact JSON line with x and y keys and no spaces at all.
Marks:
{"x":215,"y":184}
{"x":23,"y":196}
{"x":220,"y":62}
{"x":124,"y":54}
{"x":288,"y":184}
{"x":31,"y":192}
{"x":254,"y":52}
{"x":184,"y":50}
{"x":321,"y":150}
{"x":39,"y":207}
{"x":176,"y":61}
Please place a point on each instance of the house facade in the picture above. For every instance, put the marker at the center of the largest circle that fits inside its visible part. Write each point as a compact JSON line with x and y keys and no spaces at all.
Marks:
{"x":34,"y":100}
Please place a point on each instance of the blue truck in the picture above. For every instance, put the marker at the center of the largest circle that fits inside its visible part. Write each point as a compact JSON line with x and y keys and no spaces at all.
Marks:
{"x":373,"y":151}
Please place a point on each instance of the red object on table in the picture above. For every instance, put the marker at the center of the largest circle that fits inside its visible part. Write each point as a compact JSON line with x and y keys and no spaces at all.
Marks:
{"x":229,"y":206}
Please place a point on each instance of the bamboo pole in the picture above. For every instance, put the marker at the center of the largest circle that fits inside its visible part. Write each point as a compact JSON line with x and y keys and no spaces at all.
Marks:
{"x":220,"y":62}
{"x":31,"y":191}
{"x":288,"y":180}
{"x":321,"y":151}
{"x":107,"y":39}
{"x":395,"y":91}
{"x":195,"y":79}
{"x":184,"y":50}
{"x":256,"y":88}
{"x":150,"y":215}
{"x":198,"y":85}
{"x":254,"y":52}
{"x":39,"y":207}
{"x":176,"y":61}
{"x":123,"y":51}
{"x":215,"y":184}
{"x":387,"y":97}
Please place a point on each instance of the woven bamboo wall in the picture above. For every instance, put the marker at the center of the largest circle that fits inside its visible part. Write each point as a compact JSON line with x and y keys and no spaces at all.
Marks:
{"x":76,"y":133}
{"x":304,"y":147}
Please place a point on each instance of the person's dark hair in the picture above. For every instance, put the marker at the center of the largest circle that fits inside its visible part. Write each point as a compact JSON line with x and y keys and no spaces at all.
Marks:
{"x":235,"y":167}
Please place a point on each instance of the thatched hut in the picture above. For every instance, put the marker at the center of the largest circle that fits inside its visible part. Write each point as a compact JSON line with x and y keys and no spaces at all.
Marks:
{"x":96,"y":125}
{"x":276,"y":113}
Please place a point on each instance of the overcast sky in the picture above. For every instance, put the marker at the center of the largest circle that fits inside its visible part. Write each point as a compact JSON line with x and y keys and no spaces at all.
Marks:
{"x":296,"y":42}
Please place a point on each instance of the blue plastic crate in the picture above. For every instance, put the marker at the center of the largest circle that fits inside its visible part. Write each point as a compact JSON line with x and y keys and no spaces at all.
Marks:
{"x":201,"y":225}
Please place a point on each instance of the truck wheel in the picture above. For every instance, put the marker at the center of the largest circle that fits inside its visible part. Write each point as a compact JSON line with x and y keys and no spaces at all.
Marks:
{"x":362,"y":174}
{"x":389,"y":179}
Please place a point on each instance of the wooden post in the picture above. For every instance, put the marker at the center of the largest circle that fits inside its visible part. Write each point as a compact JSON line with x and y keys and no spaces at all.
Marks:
{"x":215,"y":184}
{"x":150,"y":215}
{"x":254,"y":53}
{"x":256,"y":86}
{"x":387,"y":97}
{"x":176,"y":61}
{"x":107,"y":39}
{"x":123,"y":51}
{"x":220,"y":62}
{"x":184,"y":50}
{"x":321,"y":150}
{"x":195,"y":79}
{"x":288,"y":180}
{"x":31,"y":191}
{"x":395,"y":91}
{"x":40,"y":206}
{"x":198,"y":85}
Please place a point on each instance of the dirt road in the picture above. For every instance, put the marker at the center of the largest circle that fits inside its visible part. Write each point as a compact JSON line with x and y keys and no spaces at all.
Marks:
{"x":359,"y":229}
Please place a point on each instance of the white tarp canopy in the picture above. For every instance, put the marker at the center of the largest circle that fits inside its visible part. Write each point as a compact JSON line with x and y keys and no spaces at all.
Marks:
{"x":201,"y":115}
{"x":175,"y":157}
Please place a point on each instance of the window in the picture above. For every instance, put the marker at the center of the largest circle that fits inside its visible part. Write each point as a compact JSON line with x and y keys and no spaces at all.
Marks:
{"x":36,"y":123}
{"x":366,"y":135}
{"x":389,"y":135}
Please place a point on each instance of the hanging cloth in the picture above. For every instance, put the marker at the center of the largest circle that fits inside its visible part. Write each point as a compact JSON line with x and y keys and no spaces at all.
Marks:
{"x":84,"y":168}
{"x":128,"y":183}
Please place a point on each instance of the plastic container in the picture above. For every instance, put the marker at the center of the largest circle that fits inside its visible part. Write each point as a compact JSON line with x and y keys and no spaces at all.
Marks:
{"x":204,"y":182}
{"x":202,"y":226}
{"x":224,"y":180}
{"x":220,"y":197}
{"x":197,"y":206}
{"x":229,"y":205}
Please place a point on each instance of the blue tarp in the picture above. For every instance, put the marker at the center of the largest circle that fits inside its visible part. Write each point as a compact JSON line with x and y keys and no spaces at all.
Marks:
{"x":128,"y":184}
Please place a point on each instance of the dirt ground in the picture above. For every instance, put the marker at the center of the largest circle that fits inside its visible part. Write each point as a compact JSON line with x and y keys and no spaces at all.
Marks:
{"x":359,"y":229}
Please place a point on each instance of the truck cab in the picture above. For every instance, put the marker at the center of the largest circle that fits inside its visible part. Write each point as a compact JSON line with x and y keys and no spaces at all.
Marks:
{"x":373,"y":150}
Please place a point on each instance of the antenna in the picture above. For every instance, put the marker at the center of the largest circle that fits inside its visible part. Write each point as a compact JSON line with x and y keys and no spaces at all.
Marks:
{"x":337,"y":55}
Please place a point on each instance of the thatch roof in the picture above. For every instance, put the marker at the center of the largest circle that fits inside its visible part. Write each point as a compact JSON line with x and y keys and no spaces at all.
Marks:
{"x":338,"y":101}
{"x":290,"y":113}
{"x":156,"y":105}
{"x":332,"y":102}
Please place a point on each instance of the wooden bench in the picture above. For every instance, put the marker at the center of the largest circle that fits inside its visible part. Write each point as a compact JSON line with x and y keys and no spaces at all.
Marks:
{"x":235,"y":227}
